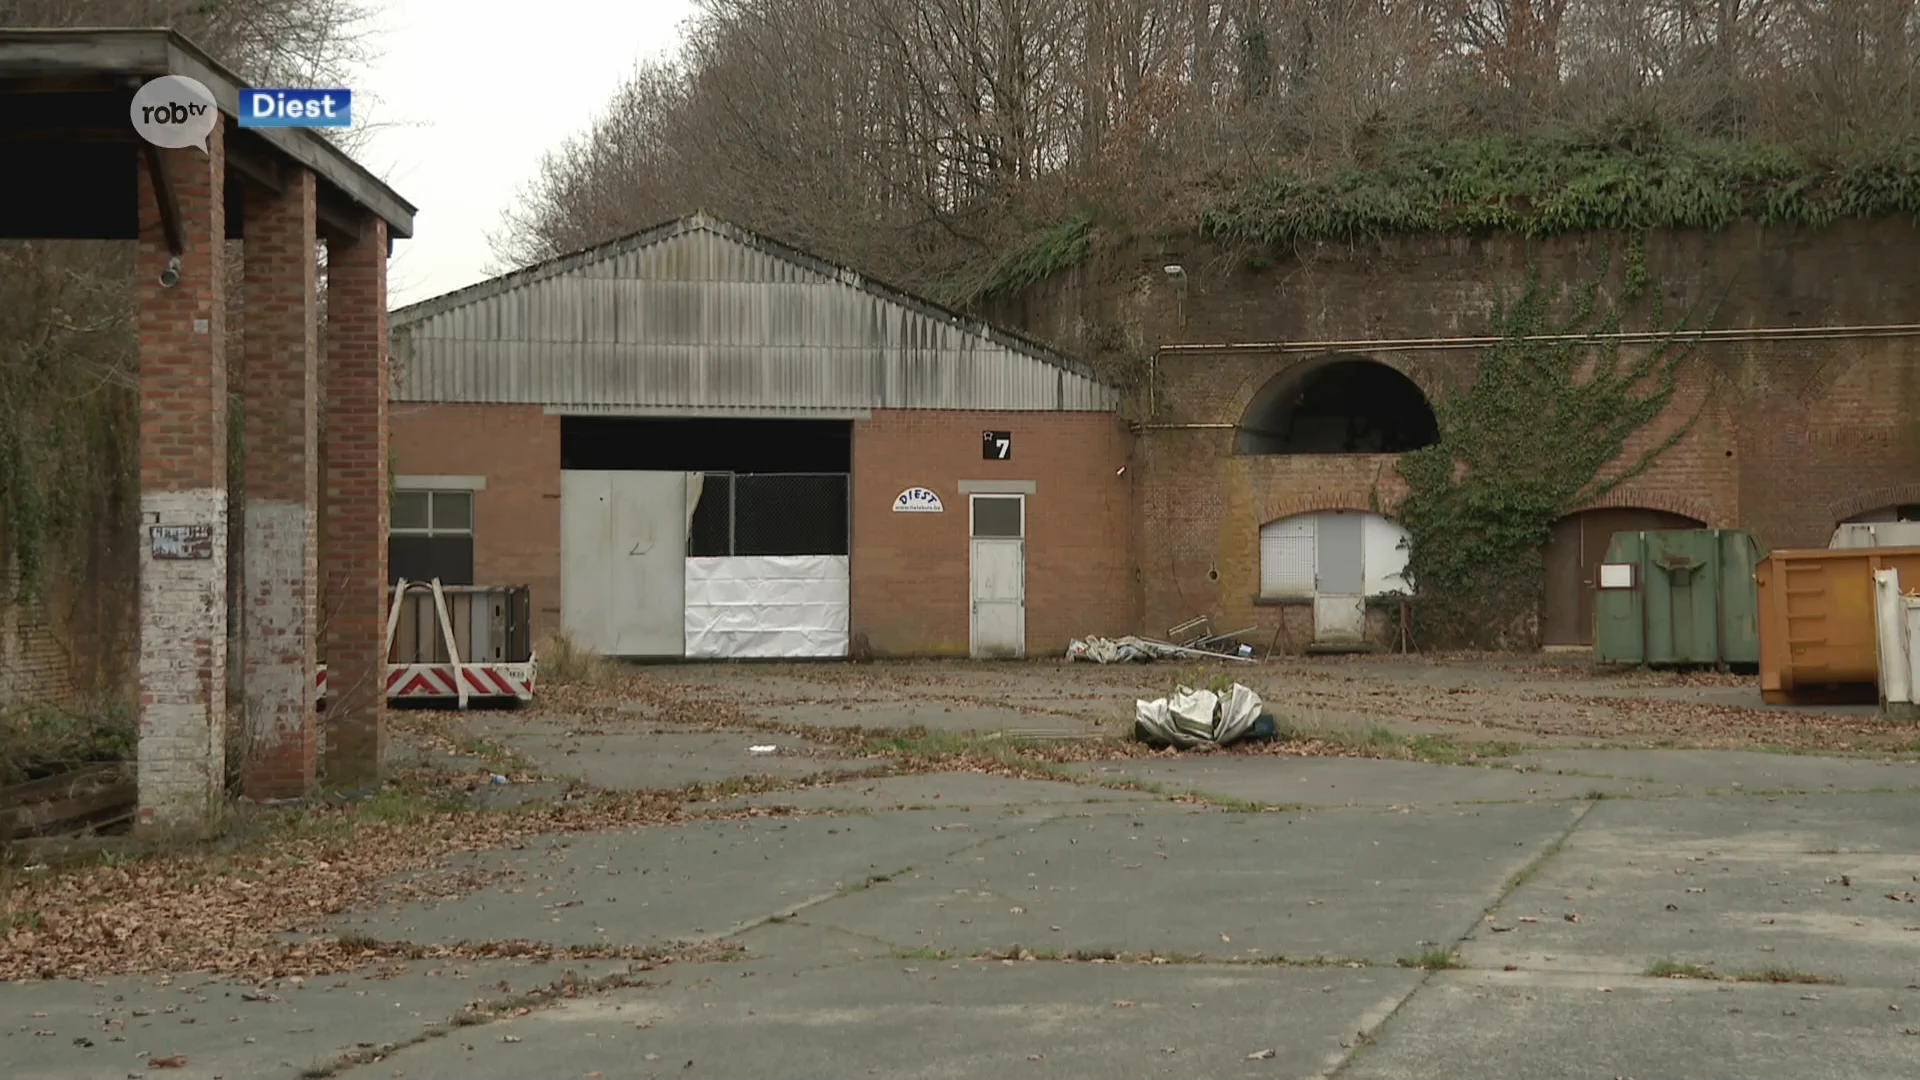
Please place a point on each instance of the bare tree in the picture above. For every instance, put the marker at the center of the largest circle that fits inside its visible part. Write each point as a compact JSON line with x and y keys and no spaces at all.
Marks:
{"x":910,"y":136}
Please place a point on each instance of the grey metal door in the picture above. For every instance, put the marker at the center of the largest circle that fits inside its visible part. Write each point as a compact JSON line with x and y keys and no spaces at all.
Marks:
{"x":1339,"y":603}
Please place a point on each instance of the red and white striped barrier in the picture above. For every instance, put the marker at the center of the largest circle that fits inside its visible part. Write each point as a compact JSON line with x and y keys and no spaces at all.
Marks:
{"x":415,"y":681}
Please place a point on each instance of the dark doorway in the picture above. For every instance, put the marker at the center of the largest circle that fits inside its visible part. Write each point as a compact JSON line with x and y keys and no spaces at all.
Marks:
{"x":1573,"y":555}
{"x":1337,"y":405}
{"x":705,"y":444}
{"x":770,"y":487}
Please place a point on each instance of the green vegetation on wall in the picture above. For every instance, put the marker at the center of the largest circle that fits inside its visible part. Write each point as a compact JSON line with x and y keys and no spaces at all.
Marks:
{"x":1625,"y":178}
{"x":1057,"y":247}
{"x":1536,"y":431}
{"x":67,"y":436}
{"x":69,"y":411}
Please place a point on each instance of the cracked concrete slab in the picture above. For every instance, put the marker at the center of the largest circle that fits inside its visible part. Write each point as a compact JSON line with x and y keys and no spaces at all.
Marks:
{"x":1518,"y":1026}
{"x":930,"y":1021}
{"x":657,"y":758}
{"x":697,"y":880}
{"x":110,"y":1028}
{"x":1363,"y":884}
{"x":1741,"y":884}
{"x":932,"y":715}
{"x":1702,"y":771}
{"x":1288,"y":780}
{"x":944,"y":789}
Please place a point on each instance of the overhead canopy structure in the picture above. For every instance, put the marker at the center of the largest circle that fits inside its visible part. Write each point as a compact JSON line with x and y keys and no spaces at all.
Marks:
{"x":77,"y":170}
{"x":65,"y":97}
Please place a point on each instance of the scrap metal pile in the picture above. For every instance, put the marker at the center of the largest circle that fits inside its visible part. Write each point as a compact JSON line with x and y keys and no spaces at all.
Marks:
{"x":1193,"y":638}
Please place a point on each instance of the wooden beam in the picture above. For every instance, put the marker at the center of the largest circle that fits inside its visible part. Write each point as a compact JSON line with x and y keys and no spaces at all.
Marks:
{"x":337,"y":222}
{"x":245,"y":158}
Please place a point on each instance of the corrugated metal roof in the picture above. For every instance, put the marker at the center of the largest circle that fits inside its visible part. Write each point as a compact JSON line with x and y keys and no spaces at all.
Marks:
{"x":702,"y":316}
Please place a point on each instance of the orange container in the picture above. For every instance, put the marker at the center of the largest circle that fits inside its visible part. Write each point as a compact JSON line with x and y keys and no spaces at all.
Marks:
{"x":1817,"y":638}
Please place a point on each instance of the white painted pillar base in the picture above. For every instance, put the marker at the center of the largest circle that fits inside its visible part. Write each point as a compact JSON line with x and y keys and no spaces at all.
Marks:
{"x":183,"y":662}
{"x":277,"y":612}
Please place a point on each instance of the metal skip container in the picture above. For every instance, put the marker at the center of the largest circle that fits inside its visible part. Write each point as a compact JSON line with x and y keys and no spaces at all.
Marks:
{"x":1818,"y":642}
{"x":1679,"y":597}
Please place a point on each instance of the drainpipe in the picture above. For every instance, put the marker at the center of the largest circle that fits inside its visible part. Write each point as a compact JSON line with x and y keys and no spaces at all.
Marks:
{"x":169,"y":215}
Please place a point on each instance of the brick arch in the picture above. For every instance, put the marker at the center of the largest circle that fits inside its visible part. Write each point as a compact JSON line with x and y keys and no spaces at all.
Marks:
{"x":1243,"y":395}
{"x":1293,"y":506}
{"x":1872,"y":499}
{"x":1631,"y":497}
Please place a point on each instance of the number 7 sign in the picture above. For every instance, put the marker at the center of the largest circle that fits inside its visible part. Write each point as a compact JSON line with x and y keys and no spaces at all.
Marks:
{"x":996,"y":445}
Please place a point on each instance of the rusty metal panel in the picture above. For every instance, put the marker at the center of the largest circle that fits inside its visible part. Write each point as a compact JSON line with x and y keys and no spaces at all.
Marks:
{"x":1816,"y":619}
{"x":704,"y":317}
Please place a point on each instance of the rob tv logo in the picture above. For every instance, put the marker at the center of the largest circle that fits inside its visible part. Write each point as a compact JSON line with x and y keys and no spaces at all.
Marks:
{"x":327,"y":108}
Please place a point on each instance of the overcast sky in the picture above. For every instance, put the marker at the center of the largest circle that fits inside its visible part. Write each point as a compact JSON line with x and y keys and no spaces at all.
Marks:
{"x":483,"y":89}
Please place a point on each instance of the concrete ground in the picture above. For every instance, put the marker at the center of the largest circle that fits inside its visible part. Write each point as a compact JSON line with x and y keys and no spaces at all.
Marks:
{"x":1565,"y":911}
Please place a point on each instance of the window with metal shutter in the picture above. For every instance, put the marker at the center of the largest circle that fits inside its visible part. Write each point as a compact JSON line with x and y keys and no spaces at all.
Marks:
{"x":1287,"y":558}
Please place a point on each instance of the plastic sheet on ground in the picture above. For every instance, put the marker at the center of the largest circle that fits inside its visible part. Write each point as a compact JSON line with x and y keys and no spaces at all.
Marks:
{"x":1191,"y":718}
{"x":1126,"y":650}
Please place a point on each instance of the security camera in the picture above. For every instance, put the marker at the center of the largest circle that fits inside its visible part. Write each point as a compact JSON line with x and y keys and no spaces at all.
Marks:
{"x":171,"y":275}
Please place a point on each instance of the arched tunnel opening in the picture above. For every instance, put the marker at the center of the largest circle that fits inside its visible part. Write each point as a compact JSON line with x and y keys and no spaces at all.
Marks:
{"x":1341,"y":405}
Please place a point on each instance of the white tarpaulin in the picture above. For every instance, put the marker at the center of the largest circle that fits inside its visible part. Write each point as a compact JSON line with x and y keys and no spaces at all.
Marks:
{"x":1196,"y":717}
{"x":767,"y":607}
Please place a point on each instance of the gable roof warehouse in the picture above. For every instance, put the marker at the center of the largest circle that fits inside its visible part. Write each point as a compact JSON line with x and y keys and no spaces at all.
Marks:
{"x":701,"y":317}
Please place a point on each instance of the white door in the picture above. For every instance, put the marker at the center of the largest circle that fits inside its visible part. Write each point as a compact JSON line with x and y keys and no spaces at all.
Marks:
{"x":623,"y":549}
{"x":1339,"y":605}
{"x":998,"y":619}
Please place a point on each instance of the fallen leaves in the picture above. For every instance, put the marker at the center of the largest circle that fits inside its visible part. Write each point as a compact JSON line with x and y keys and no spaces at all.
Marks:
{"x":172,"y":1061}
{"x":229,"y":913}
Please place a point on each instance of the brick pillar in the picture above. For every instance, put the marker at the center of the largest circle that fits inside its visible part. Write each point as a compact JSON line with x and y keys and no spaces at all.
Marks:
{"x":282,"y":489}
{"x":183,"y":495}
{"x":355,"y":545}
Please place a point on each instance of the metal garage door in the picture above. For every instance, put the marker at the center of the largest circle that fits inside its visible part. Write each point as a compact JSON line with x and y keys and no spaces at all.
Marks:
{"x":623,"y":560}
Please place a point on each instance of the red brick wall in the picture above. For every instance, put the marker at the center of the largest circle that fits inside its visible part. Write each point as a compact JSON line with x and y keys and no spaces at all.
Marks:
{"x":34,"y":666}
{"x":1791,"y":437}
{"x":910,"y":571}
{"x":516,"y":520}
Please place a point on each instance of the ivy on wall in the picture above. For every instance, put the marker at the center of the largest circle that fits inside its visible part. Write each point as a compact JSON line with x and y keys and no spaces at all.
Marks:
{"x":69,"y":423}
{"x":1535,"y":432}
{"x":1054,"y":248}
{"x":1623,"y":178}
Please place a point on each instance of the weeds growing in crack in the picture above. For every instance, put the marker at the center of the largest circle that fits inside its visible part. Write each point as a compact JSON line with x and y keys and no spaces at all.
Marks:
{"x":1432,"y":959}
{"x":1783,"y":975}
{"x":1675,"y":969}
{"x":569,"y":986}
{"x":1154,"y":958}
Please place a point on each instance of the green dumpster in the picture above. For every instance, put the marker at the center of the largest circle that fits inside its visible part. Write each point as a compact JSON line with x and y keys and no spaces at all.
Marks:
{"x":1678,"y":597}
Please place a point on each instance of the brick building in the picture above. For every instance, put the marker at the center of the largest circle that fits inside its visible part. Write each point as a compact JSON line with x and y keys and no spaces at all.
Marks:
{"x":698,"y":442}
{"x":1282,"y":394}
